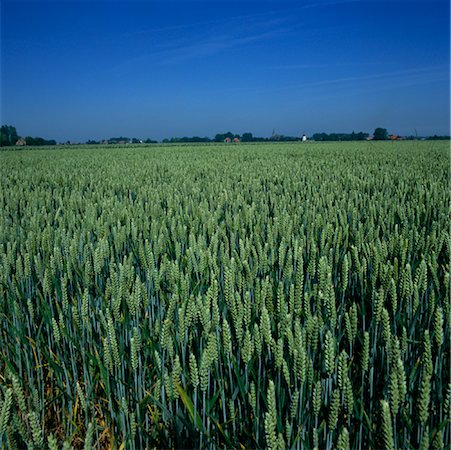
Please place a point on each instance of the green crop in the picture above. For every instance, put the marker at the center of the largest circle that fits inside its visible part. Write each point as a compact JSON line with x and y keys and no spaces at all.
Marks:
{"x":255,"y":296}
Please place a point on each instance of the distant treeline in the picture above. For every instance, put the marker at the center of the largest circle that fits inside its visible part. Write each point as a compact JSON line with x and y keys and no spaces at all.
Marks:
{"x":9,"y":136}
{"x":39,"y":141}
{"x":221,"y":137}
{"x":121,"y":140}
{"x":249,"y":137}
{"x":176,"y":140}
{"x":379,"y":134}
{"x":439,"y":138}
{"x":340,"y":136}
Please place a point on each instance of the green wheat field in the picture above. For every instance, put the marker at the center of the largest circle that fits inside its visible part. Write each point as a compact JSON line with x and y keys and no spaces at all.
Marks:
{"x":281,"y":296}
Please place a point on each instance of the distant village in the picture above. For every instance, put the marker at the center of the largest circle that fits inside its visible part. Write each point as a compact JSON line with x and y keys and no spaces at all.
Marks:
{"x":10,"y":137}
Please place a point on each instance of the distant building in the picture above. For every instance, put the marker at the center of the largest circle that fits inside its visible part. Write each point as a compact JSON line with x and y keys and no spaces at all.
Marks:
{"x":394,"y":137}
{"x":21,"y":142}
{"x":227,"y":140}
{"x":236,"y":140}
{"x":304,"y":138}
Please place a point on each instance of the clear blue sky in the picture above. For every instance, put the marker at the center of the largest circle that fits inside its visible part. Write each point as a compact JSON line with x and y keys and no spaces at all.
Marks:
{"x":80,"y":70}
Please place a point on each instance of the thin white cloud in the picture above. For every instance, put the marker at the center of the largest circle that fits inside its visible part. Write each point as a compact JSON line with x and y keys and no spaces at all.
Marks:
{"x":251,"y":20}
{"x":400,"y":78}
{"x":426,"y":74}
{"x":325,"y":65}
{"x":230,"y":33}
{"x":213,"y":46}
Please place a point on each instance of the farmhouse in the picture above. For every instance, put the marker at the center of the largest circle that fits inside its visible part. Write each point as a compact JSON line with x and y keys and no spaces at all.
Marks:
{"x":21,"y":142}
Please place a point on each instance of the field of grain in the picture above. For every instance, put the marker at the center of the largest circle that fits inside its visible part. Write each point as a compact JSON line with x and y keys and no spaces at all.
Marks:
{"x":226,"y":296}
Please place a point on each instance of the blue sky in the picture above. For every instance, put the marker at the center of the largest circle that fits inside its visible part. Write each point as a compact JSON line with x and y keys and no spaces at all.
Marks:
{"x":80,"y":70}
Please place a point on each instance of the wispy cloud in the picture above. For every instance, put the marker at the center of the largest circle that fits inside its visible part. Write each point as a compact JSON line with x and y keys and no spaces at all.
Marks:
{"x":213,"y":46}
{"x":323,"y":3}
{"x":215,"y":37}
{"x":393,"y":79}
{"x":424,"y":75}
{"x":251,"y":20}
{"x":329,"y":65}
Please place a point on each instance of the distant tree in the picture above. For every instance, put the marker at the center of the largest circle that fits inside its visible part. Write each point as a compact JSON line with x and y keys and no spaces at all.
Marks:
{"x":438,"y":138}
{"x":361,"y":136}
{"x":186,"y":139}
{"x":198,"y":139}
{"x":247,"y":137}
{"x":289,"y":138}
{"x":115,"y":140}
{"x":4,"y":138}
{"x":340,"y":136}
{"x":38,"y":141}
{"x":8,"y":135}
{"x":221,"y":137}
{"x":319,"y":137}
{"x":380,"y":134}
